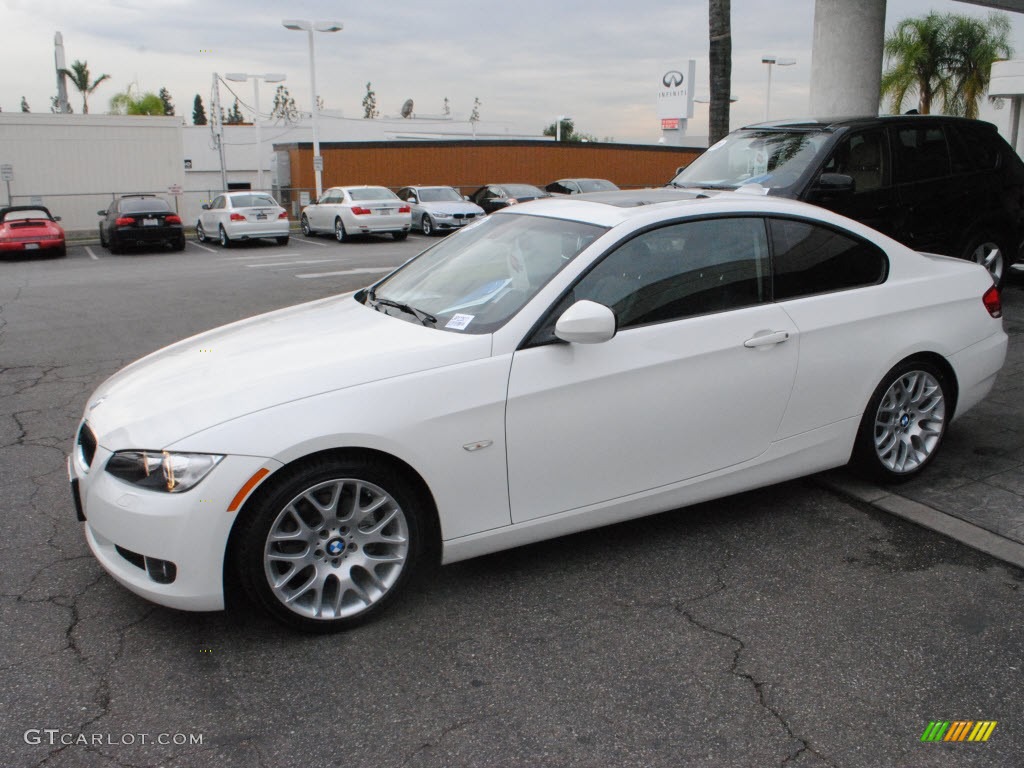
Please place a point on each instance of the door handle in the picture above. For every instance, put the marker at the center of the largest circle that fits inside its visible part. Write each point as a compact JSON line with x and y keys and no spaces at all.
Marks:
{"x":766,"y":338}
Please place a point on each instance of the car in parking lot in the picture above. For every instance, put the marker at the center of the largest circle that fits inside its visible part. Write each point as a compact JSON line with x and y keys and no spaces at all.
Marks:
{"x":30,"y":230}
{"x":236,"y":216}
{"x":494,"y":197}
{"x":360,"y":210}
{"x":140,"y":220}
{"x":554,"y":367}
{"x":439,"y":209}
{"x":939,"y":184}
{"x":579,"y":186}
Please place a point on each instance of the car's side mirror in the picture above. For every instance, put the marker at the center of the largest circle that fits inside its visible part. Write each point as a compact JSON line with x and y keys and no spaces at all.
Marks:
{"x":411,"y":199}
{"x":56,"y":218}
{"x":465,"y":197}
{"x":586,"y":322}
{"x":206,"y":206}
{"x":101,"y":213}
{"x":834,"y":184}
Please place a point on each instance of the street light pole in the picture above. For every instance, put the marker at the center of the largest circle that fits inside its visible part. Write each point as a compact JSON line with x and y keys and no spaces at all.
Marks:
{"x":311,"y":27}
{"x":770,"y":60}
{"x":240,"y":77}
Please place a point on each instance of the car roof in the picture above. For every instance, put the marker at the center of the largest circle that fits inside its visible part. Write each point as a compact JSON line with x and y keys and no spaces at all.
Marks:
{"x":862,"y":121}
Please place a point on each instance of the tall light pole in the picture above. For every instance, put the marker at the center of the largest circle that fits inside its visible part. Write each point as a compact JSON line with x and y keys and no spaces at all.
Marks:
{"x":240,"y":77}
{"x":770,"y":60}
{"x":311,"y":27}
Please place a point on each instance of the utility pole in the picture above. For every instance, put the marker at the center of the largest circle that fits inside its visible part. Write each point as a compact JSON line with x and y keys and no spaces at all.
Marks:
{"x":218,"y":132}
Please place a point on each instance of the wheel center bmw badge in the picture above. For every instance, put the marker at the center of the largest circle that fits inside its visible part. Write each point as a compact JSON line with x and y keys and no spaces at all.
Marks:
{"x":335,"y":547}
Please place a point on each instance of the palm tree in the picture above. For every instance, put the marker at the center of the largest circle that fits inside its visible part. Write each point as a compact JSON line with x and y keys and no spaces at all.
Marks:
{"x":917,"y":52}
{"x":973,"y":46}
{"x":79,"y":76}
{"x":720,"y":56}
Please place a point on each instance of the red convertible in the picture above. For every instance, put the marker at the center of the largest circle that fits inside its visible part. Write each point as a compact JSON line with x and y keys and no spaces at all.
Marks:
{"x":25,"y":229}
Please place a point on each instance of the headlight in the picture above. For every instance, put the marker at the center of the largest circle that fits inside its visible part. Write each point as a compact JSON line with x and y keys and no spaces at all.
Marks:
{"x":441,"y":215}
{"x":162,"y":470}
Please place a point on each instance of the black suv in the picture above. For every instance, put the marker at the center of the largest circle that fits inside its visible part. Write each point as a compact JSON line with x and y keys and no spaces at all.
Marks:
{"x":938,"y":184}
{"x":140,"y":220}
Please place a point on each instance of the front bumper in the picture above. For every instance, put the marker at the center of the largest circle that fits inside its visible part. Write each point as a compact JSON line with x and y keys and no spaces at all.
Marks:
{"x":189,"y":530}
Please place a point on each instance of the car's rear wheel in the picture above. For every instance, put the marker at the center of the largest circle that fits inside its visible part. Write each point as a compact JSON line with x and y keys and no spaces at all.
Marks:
{"x":304,"y":224}
{"x":114,"y":246}
{"x":330,"y":542}
{"x":427,"y":225}
{"x":339,"y":231}
{"x":200,"y":232}
{"x":991,"y":253}
{"x":399,"y":235}
{"x":282,"y":240}
{"x":179,"y":244}
{"x":225,"y":241}
{"x":905,"y":422}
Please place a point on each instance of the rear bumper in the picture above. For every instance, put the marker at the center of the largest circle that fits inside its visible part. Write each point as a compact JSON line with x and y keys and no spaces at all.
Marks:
{"x":39,"y":245}
{"x":248,"y":230}
{"x":148,"y":236}
{"x":976,"y":369}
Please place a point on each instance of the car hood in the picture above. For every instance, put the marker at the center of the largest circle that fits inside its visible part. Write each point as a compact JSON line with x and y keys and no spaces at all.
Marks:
{"x":452,"y":206}
{"x":265,"y":361}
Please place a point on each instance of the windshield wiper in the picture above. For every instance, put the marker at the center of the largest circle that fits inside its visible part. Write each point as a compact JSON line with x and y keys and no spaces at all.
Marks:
{"x":424,"y":317}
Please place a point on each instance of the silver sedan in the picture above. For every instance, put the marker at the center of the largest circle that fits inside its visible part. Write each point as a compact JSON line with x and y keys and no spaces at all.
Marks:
{"x":439,"y":209}
{"x":348,"y":211}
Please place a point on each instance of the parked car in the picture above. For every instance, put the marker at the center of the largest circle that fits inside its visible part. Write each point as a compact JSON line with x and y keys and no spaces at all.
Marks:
{"x":554,"y":367}
{"x":30,"y":229}
{"x":494,"y":197}
{"x":140,"y":220}
{"x":939,"y":184}
{"x":235,"y":216}
{"x":364,"y":210}
{"x":439,"y":209}
{"x":579,"y":186}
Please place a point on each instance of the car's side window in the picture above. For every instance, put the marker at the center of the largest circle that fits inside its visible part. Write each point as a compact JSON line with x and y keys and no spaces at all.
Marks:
{"x":922,"y":153}
{"x":864,"y":158}
{"x":218,"y":203}
{"x":680,"y":270}
{"x":808,"y":259}
{"x":982,"y":151}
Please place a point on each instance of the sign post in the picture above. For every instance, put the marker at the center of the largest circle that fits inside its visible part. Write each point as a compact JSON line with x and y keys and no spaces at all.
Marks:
{"x":7,"y":174}
{"x":675,"y":101}
{"x":175,"y":189}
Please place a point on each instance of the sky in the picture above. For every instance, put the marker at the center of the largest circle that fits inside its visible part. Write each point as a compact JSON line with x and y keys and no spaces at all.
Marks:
{"x":527,"y":61}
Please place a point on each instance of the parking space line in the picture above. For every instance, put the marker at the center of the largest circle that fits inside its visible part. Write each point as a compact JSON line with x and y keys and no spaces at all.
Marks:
{"x":204,"y":247}
{"x":357,"y":271}
{"x":307,"y":241}
{"x":93,"y":256}
{"x":290,"y":263}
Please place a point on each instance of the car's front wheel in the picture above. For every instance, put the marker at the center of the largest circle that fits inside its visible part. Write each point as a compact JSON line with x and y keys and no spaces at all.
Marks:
{"x":427,"y":225}
{"x":905,"y":422}
{"x":200,"y":232}
{"x":991,"y":253}
{"x":225,"y":241}
{"x":330,"y":542}
{"x":304,"y":225}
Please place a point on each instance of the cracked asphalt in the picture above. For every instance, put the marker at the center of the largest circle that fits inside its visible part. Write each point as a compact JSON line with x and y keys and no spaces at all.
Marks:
{"x":784,"y":627}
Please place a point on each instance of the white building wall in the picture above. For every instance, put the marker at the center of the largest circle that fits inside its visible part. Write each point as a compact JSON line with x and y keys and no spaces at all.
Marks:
{"x":74,"y":164}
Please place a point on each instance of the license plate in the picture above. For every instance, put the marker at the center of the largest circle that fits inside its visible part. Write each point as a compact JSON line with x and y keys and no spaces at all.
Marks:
{"x":31,"y":246}
{"x":385,"y":211}
{"x":149,"y":222}
{"x":261,"y":216}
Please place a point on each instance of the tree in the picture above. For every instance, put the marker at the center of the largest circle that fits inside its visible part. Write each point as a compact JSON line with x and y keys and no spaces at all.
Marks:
{"x":55,"y":106}
{"x":165,"y":98}
{"x":128,"y":103}
{"x":568,"y":132}
{"x":917,"y":54}
{"x":24,"y":105}
{"x":234,"y":116}
{"x":474,"y":116}
{"x":198,"y":111}
{"x":284,"y":108}
{"x":720,"y":56}
{"x":370,"y":110}
{"x":973,"y":47}
{"x":79,"y":77}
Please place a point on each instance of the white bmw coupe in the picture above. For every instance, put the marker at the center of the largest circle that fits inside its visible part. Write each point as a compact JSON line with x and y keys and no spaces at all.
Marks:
{"x":554,"y":367}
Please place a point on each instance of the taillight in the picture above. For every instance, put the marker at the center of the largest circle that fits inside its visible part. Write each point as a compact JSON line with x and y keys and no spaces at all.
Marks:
{"x":992,"y":301}
{"x":283,"y":215}
{"x":405,"y":209}
{"x":360,"y":211}
{"x":237,"y":217}
{"x":124,"y":221}
{"x":172,"y":219}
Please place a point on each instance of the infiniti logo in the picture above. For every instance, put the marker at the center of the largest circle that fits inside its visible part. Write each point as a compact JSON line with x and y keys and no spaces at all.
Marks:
{"x":672,"y":79}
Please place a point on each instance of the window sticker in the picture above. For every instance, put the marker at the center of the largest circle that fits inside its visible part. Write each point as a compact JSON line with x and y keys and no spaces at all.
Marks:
{"x":459,"y":322}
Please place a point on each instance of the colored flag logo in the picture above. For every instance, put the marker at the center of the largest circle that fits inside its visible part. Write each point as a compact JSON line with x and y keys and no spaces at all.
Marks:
{"x":958,"y":730}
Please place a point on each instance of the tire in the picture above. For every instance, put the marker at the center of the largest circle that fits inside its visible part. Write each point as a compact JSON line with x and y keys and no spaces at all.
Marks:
{"x":200,"y":232}
{"x":304,"y":224}
{"x":399,"y":235}
{"x":178,"y":245}
{"x":114,"y":247}
{"x":992,"y":253}
{"x":339,"y":231}
{"x":282,"y":240}
{"x":61,"y":252}
{"x":427,"y":225}
{"x":103,"y":240}
{"x":225,"y":241}
{"x":285,"y":556}
{"x":905,"y":422}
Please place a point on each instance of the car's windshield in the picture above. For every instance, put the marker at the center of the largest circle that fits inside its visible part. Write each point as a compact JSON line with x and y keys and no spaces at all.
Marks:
{"x":35,"y":213}
{"x":439,"y":195}
{"x":596,"y":185}
{"x":144,"y":205}
{"x":372,"y":193}
{"x":478,"y":278}
{"x":522,"y":190}
{"x":253,"y":201}
{"x":771,"y":158}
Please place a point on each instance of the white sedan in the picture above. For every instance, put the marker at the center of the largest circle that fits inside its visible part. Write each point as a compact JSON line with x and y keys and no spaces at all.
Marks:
{"x":552,"y":368}
{"x":235,"y":216}
{"x":348,"y":211}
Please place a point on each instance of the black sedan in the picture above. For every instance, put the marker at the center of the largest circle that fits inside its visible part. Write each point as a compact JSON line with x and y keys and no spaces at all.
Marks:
{"x":494,"y":197}
{"x":140,"y":220}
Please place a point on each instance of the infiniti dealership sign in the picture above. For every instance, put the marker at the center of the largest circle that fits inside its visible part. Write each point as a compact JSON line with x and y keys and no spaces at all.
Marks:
{"x":675,"y":91}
